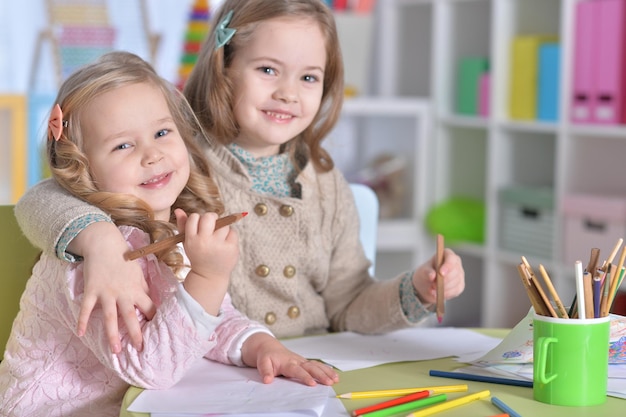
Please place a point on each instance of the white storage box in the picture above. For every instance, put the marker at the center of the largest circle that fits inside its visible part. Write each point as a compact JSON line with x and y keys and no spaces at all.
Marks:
{"x":527,"y":221}
{"x":592,"y":221}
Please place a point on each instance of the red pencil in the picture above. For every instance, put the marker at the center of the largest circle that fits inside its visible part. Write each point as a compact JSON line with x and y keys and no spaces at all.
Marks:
{"x":390,"y":403}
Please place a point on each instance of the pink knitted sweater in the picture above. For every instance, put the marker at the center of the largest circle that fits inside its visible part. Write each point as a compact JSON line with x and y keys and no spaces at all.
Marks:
{"x":49,"y":371}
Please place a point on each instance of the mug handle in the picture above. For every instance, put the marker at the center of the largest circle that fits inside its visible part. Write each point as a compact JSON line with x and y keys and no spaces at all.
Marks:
{"x":542,"y":353}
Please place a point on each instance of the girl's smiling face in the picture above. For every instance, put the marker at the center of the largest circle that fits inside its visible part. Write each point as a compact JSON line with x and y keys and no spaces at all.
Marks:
{"x":278,"y":79}
{"x":134,"y":147}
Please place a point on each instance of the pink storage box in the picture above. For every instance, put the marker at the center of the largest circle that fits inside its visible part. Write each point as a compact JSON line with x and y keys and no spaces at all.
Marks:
{"x":592,"y":221}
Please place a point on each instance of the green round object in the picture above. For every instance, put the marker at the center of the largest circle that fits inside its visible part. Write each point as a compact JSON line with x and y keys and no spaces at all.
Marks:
{"x":458,"y":220}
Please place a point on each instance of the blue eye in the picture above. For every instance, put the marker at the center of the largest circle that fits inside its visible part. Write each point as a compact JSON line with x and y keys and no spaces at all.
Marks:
{"x":310,"y":78}
{"x":122,"y":146}
{"x":267,"y":70}
{"x":162,"y":133}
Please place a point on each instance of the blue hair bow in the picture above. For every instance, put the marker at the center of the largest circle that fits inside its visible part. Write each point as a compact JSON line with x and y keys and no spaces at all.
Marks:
{"x":223,"y":34}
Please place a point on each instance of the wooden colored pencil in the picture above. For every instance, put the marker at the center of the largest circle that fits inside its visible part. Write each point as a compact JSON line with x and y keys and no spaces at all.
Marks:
{"x":176,"y":239}
{"x":612,"y":295}
{"x":616,"y":279}
{"x":594,"y":258}
{"x":613,"y":253}
{"x":597,"y":295}
{"x":535,"y":301}
{"x":606,"y":288}
{"x":390,"y":403}
{"x":555,"y":296}
{"x":407,"y":407}
{"x":504,"y":407}
{"x":534,"y":282}
{"x":450,"y":404}
{"x":439,"y":389}
{"x":440,"y":284}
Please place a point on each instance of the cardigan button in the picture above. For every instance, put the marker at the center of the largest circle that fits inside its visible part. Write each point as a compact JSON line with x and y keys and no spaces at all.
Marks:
{"x":260,"y":209}
{"x":270,"y":318}
{"x":262,"y":270}
{"x":289,"y":271}
{"x":293,"y":312}
{"x":286,"y":211}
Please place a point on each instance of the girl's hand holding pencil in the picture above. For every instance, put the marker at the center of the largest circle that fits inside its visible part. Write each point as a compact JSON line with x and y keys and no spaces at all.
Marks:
{"x":174,"y":240}
{"x":444,"y":271}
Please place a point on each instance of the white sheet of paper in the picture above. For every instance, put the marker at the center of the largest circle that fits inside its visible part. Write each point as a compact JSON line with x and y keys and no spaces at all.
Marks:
{"x":517,"y":346}
{"x":211,"y":388}
{"x":334,"y":408}
{"x":348,"y":351}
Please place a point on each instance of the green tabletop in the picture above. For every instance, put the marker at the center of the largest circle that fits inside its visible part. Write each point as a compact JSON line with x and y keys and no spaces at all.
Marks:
{"x":415,"y":374}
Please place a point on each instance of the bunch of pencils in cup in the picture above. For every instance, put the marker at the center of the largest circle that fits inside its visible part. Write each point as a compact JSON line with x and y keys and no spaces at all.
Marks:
{"x":596,"y":286}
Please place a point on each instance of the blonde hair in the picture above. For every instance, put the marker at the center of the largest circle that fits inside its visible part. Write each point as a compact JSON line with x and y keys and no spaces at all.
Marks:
{"x":70,"y":167}
{"x":209,"y":88}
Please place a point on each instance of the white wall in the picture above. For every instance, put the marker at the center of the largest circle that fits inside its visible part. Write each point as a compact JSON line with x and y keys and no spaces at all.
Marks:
{"x":21,"y":21}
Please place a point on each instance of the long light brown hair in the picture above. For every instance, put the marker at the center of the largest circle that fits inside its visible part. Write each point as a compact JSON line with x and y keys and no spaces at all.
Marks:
{"x":70,"y":166}
{"x":209,"y":88}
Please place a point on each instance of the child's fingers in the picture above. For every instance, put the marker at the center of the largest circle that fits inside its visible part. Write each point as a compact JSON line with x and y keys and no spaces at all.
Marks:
{"x":191,"y":225}
{"x":266,"y":370}
{"x":127,"y":313}
{"x":181,"y":219}
{"x":110,"y":326}
{"x":322,"y":373}
{"x":146,"y":306}
{"x":297,"y":371}
{"x":86,"y":308}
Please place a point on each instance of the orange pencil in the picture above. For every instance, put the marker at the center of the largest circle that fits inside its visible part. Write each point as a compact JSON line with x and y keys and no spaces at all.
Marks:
{"x":176,"y":239}
{"x":440,"y":290}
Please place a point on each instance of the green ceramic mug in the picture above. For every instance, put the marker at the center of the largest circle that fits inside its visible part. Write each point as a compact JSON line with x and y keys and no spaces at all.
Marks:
{"x":571,"y":360}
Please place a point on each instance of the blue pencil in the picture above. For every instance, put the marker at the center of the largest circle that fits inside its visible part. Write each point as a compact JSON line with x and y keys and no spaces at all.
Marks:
{"x":597,"y":295}
{"x":502,"y":406}
{"x":482,"y":378}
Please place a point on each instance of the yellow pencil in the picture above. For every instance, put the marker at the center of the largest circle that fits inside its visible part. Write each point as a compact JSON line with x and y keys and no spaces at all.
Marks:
{"x":552,"y":290}
{"x":442,"y":389}
{"x":450,"y":404}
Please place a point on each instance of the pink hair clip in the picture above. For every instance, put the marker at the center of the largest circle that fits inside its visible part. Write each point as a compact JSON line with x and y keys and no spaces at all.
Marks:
{"x":56,"y":123}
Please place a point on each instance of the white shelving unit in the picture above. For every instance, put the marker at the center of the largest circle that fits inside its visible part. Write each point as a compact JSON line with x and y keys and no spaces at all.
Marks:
{"x":419,"y":45}
{"x":370,"y":127}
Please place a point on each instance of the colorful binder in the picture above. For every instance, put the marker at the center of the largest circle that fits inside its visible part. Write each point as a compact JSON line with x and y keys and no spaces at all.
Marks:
{"x":610,"y":75}
{"x":484,"y":93}
{"x":583,"y":93}
{"x":469,"y":73}
{"x":524,"y":73}
{"x":549,"y":82}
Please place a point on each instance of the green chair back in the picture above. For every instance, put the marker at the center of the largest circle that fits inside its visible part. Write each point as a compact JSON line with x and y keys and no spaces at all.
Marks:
{"x":17,"y":257}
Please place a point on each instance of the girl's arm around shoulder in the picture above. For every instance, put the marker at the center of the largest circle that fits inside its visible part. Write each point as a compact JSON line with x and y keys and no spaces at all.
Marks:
{"x":46,"y":211}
